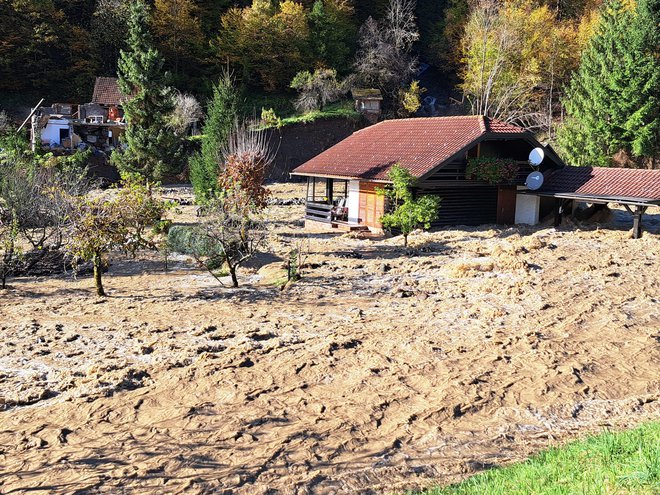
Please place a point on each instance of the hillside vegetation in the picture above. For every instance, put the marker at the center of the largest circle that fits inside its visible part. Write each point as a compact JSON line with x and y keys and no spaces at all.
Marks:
{"x":531,"y":62}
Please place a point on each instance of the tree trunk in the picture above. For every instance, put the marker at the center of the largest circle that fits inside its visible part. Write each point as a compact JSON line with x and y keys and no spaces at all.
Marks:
{"x":405,"y":240}
{"x":98,"y":272}
{"x":234,"y":279}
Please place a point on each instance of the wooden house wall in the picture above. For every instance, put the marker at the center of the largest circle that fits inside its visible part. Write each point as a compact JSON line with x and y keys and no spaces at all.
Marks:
{"x":470,"y":202}
{"x":470,"y":205}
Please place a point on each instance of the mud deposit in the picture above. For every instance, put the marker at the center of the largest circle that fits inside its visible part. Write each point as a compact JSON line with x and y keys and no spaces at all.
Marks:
{"x":381,"y":370}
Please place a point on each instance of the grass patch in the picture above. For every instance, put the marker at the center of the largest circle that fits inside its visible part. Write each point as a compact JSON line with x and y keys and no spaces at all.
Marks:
{"x":341,"y":109}
{"x":625,"y":462}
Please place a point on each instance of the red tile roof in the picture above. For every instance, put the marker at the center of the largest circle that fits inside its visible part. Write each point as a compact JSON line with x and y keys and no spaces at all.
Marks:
{"x":106,"y":91}
{"x":605,"y":182}
{"x":418,"y":144}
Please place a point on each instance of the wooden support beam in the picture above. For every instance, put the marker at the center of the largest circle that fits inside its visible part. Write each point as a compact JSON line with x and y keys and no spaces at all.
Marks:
{"x":637,"y":221}
{"x":557,"y":209}
{"x":328,"y":190}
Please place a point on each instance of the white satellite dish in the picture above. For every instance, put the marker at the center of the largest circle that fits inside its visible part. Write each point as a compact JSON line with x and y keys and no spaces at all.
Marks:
{"x":536,"y":156}
{"x":534,"y":180}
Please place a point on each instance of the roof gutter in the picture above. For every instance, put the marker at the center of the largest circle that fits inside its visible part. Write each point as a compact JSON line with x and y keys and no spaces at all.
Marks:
{"x":339,"y":177}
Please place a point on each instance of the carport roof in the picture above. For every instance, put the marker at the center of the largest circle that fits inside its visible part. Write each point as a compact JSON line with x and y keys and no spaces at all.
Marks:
{"x":622,"y":185}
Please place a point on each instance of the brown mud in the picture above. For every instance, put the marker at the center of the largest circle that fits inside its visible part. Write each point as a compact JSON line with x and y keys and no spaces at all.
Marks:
{"x":382,"y":369}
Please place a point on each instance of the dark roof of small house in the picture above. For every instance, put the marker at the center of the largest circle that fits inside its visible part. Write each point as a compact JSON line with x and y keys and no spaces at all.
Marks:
{"x":366,"y":94}
{"x":604,"y":183}
{"x":418,"y":144}
{"x":106,"y":91}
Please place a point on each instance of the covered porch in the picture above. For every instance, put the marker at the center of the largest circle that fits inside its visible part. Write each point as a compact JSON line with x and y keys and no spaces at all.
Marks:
{"x":336,"y":202}
{"x":326,"y":200}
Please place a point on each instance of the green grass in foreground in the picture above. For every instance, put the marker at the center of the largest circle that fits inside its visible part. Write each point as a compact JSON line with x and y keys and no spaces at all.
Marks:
{"x":625,"y":462}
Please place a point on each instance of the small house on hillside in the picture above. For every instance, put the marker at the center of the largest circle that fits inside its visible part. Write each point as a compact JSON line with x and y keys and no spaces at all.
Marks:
{"x":368,"y":102}
{"x":342,"y":181}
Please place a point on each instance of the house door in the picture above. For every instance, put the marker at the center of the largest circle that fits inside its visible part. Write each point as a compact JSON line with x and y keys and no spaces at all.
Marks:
{"x":64,"y":133}
{"x":506,"y":205}
{"x":371,"y":205}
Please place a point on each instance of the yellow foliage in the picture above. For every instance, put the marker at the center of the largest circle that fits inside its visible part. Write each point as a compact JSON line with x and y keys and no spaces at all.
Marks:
{"x":268,"y":39}
{"x":177,"y":28}
{"x":514,"y":55}
{"x":411,"y":99}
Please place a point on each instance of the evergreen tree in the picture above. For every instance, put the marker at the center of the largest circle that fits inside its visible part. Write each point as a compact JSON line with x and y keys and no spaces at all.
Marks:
{"x":152,"y":148}
{"x":612,"y":102}
{"x":221,"y":115}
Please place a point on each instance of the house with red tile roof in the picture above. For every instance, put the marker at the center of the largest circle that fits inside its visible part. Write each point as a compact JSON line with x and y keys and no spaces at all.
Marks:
{"x":343,"y":181}
{"x":106,"y":92}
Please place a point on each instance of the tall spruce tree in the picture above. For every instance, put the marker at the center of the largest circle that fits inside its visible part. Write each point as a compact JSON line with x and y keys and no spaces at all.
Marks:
{"x":612,"y":101}
{"x":221,"y":115}
{"x":152,"y":149}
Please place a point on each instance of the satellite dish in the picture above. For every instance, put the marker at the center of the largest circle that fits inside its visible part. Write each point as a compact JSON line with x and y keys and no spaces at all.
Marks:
{"x":534,"y":180}
{"x":536,"y":156}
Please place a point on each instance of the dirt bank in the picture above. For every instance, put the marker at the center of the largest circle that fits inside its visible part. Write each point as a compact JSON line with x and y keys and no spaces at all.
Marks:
{"x":382,"y":369}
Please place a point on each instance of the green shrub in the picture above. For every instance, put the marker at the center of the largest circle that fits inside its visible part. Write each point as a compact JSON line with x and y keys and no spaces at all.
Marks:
{"x":183,"y":239}
{"x":269,"y":118}
{"x":492,"y":170}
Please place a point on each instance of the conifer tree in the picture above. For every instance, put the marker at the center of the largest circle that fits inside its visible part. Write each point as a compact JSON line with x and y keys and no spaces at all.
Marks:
{"x":612,"y":102}
{"x":221,"y":115}
{"x":151,"y":147}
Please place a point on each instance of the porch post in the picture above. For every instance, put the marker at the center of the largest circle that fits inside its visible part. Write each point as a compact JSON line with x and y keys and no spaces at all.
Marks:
{"x":328,"y":190}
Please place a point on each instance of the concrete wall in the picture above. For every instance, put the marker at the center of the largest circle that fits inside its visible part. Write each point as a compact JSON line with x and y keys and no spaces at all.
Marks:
{"x":298,"y":143}
{"x":527,"y":209}
{"x":51,"y":133}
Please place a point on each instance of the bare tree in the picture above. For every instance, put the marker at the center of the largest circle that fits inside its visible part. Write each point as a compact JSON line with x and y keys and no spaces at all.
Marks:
{"x":40,"y":199}
{"x":187,"y":111}
{"x":401,"y":24}
{"x":233,"y":228}
{"x":316,"y":90}
{"x":246,"y":139}
{"x":511,"y":71}
{"x":233,"y":233}
{"x":384,"y":58}
{"x":10,"y":251}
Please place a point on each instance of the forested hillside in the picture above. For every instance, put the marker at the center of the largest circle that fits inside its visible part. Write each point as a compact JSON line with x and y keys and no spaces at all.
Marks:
{"x":513,"y":60}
